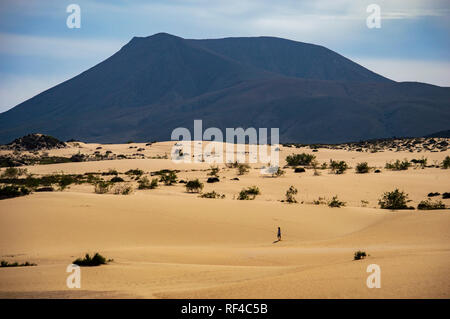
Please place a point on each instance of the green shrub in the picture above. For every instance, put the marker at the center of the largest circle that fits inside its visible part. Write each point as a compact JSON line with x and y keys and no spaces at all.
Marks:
{"x":6,"y":161}
{"x":96,"y":260}
{"x":66,"y":180}
{"x":212,"y":194}
{"x":144,"y":183}
{"x":338,"y":167}
{"x":110,"y":172}
{"x":446,"y":162}
{"x":320,"y":201}
{"x":394,"y":200}
{"x":14,"y":172}
{"x":422,"y":161}
{"x":359,"y":255}
{"x":398,"y":165}
{"x":169,"y":178}
{"x":364,"y":203}
{"x":335,"y":202}
{"x":5,"y":263}
{"x":135,"y":172}
{"x":194,"y":186}
{"x":10,"y":191}
{"x":77,"y":158}
{"x":279,"y":172}
{"x":61,"y":180}
{"x":249,"y":193}
{"x":125,"y":189}
{"x":300,"y":159}
{"x":362,"y":168}
{"x":163,"y":171}
{"x":116,"y":179}
{"x":243,"y":168}
{"x":290,"y":195}
{"x":429,"y":205}
{"x":102,"y":187}
{"x":214,"y":171}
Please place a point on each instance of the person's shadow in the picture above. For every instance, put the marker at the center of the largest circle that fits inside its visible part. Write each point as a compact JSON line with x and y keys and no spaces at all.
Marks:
{"x":276,"y":241}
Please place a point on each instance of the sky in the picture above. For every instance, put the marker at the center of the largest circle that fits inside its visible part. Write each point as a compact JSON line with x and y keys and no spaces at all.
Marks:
{"x":39,"y":51}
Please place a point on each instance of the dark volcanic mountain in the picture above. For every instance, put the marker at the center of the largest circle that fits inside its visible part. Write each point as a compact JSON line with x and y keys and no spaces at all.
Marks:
{"x":155,"y":84}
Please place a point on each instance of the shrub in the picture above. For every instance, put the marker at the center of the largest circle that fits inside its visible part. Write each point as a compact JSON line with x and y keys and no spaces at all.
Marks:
{"x":253,"y":190}
{"x":126,"y":189}
{"x":5,"y":263}
{"x":213,"y":180}
{"x":102,"y":187}
{"x":422,"y":162}
{"x":359,"y":255}
{"x":300,"y":159}
{"x":433,"y":194}
{"x":243,"y":168}
{"x":446,"y":195}
{"x":13,"y":191}
{"x":394,"y":200}
{"x":335,"y":202}
{"x":249,"y":193}
{"x":144,"y":183}
{"x":232,"y":164}
{"x":66,"y":180}
{"x":338,"y":167}
{"x":116,"y":179}
{"x":169,"y":178}
{"x":214,"y":171}
{"x":111,"y":172}
{"x":194,"y":186}
{"x":362,"y":168}
{"x":135,"y":172}
{"x":96,"y":260}
{"x":77,"y":157}
{"x":6,"y":161}
{"x":278,"y":172}
{"x":290,"y":195}
{"x":398,"y":165}
{"x":446,"y":162}
{"x":14,"y":172}
{"x":45,"y":189}
{"x":319,"y":201}
{"x":429,"y":205}
{"x":212,"y":194}
{"x":163,"y":171}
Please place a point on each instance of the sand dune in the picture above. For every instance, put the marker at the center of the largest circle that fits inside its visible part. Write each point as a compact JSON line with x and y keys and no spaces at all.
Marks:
{"x":167,"y":243}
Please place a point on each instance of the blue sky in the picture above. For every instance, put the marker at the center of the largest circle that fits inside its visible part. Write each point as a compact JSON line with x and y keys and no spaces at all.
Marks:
{"x":38,"y":50}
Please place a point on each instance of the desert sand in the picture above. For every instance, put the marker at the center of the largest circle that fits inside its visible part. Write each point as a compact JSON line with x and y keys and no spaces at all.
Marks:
{"x":168,"y":243}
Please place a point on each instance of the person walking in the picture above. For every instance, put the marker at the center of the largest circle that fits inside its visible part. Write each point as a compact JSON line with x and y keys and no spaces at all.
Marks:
{"x":279,"y":233}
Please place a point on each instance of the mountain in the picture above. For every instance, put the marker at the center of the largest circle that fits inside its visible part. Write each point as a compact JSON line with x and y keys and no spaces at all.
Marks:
{"x":155,"y":84}
{"x":445,"y":134}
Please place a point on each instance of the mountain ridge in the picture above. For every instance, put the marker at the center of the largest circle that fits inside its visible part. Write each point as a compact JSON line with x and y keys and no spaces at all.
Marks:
{"x":157,"y":83}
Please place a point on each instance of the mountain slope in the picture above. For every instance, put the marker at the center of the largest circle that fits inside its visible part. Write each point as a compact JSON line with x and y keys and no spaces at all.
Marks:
{"x":290,"y":58}
{"x":155,"y":84}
